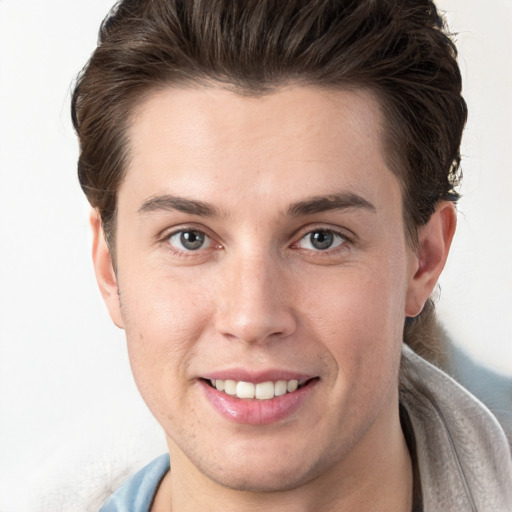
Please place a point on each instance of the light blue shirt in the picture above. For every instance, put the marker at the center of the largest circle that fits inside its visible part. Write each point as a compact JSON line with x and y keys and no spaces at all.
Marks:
{"x":137,"y":493}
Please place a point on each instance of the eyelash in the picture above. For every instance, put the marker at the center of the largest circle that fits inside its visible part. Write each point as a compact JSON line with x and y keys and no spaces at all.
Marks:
{"x":343,"y":240}
{"x":309,"y":231}
{"x":189,"y":252}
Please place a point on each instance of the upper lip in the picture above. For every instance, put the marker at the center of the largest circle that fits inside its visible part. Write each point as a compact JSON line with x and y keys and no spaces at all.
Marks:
{"x":246,"y":375}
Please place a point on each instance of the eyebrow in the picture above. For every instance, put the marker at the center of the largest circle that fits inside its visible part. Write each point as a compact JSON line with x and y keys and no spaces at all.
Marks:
{"x":315,"y":204}
{"x":319,"y":204}
{"x":169,"y":202}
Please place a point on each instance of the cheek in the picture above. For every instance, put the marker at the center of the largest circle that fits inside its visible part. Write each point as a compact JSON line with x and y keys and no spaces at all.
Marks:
{"x":162,"y":306}
{"x":163,"y":320}
{"x":360,"y":319}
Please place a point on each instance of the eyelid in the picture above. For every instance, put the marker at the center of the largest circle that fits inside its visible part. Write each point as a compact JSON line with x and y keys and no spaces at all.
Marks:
{"x":345,"y":233}
{"x":338,"y":240}
{"x":166,"y":234}
{"x":207,"y":241}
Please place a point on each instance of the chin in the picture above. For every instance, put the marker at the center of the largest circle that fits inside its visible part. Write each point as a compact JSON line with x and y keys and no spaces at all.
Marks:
{"x":262,"y":480}
{"x":264,"y":470}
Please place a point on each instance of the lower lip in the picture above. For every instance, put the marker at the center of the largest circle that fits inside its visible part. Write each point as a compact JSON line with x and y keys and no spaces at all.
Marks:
{"x":257,"y":412}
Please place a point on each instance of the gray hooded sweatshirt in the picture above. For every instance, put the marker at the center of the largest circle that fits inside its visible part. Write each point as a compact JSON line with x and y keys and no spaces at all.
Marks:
{"x":463,"y":457}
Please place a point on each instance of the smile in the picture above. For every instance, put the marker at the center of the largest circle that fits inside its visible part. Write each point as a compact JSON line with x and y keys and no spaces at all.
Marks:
{"x":261,"y":391}
{"x":258,"y":397}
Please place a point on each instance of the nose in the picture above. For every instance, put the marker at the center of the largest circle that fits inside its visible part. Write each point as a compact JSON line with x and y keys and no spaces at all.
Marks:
{"x":254,"y":303}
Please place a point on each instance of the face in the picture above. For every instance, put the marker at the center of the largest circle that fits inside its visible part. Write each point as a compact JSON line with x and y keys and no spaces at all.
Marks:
{"x":261,"y":251}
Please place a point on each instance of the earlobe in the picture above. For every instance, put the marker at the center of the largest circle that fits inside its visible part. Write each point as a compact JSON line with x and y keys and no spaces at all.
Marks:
{"x":105,"y":274}
{"x":434,"y":239}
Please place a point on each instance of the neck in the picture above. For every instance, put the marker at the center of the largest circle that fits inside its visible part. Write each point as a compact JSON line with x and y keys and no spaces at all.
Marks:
{"x":376,"y":475}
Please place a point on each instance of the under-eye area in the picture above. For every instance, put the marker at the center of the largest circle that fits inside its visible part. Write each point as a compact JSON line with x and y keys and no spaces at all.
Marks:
{"x":260,"y":391}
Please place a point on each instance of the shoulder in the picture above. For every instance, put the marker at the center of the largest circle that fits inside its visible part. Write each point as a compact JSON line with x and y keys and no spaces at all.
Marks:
{"x":463,"y":455}
{"x":137,"y":493}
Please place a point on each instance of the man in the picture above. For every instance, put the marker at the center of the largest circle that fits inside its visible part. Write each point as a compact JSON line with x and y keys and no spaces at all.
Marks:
{"x":273,"y":202}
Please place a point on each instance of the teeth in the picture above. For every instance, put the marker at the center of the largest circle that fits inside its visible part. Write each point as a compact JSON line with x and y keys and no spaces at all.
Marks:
{"x":281,"y":388}
{"x":230,"y":387}
{"x":292,"y":385}
{"x":265,"y":390}
{"x":245,"y":390}
{"x":261,"y":391}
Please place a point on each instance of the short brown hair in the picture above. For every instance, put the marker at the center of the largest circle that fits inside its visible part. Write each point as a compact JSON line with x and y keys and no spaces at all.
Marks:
{"x":398,"y":49}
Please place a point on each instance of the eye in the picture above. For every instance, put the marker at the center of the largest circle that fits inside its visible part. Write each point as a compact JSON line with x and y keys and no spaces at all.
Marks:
{"x":321,"y":240}
{"x":187,"y":240}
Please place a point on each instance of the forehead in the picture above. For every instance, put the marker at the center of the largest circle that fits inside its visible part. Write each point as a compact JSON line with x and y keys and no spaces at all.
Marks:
{"x":294,"y":141}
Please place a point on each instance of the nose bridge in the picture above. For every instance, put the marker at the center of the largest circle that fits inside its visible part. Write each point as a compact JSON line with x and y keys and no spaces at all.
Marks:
{"x":254,"y":306}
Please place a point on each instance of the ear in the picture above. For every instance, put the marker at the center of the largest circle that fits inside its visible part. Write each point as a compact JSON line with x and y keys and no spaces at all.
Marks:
{"x":434,"y":239}
{"x":105,"y":275}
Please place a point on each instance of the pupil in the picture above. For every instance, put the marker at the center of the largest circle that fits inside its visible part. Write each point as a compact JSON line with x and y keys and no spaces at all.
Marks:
{"x":321,"y":239}
{"x":192,"y":240}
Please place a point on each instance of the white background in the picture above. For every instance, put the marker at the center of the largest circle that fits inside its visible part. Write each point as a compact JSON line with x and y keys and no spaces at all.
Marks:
{"x":68,"y":408}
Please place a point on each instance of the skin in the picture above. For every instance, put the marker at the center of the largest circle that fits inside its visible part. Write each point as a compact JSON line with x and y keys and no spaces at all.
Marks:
{"x":259,"y":295}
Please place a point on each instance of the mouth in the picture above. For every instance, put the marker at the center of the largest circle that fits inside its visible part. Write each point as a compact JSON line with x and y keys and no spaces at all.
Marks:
{"x":258,"y":398}
{"x":258,"y":391}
